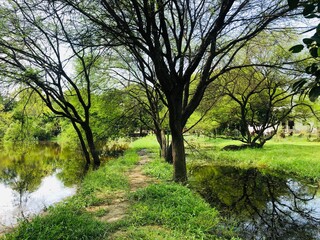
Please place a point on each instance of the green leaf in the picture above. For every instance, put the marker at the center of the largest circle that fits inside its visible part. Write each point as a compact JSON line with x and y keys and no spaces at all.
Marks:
{"x":316,"y":38}
{"x":308,"y":41}
{"x":293,"y":3}
{"x":296,"y":49}
{"x":314,"y":93}
{"x":314,"y":52}
{"x":308,"y":9}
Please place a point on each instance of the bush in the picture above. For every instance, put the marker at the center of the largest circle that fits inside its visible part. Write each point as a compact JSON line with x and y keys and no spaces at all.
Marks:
{"x":114,"y":148}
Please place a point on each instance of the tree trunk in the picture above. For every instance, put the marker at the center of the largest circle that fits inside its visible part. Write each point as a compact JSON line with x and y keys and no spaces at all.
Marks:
{"x":83,"y":145}
{"x":176,"y":127}
{"x":92,"y":147}
{"x":179,"y":157}
{"x":161,"y":138}
{"x":169,"y":158}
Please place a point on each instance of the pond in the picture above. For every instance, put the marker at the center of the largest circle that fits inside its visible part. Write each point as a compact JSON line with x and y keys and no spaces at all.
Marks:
{"x":33,"y":178}
{"x":263,"y":205}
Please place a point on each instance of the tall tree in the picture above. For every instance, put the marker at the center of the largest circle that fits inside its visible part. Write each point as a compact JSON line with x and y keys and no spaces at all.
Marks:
{"x":40,"y":40}
{"x":182,"y":39}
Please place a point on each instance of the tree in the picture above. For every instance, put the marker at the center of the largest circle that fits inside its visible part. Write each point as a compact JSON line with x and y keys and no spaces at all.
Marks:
{"x":147,"y":98}
{"x":180,"y":40}
{"x":38,"y":45}
{"x":263,"y":95}
{"x":264,"y":100}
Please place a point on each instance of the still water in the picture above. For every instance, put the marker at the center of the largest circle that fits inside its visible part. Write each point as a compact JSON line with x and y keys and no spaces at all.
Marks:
{"x":263,"y":205}
{"x":33,"y":178}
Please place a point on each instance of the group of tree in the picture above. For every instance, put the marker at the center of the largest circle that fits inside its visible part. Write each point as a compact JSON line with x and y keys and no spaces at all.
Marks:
{"x":172,"y":51}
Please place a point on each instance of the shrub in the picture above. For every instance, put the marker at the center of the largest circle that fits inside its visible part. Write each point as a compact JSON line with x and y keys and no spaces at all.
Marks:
{"x":114,"y":148}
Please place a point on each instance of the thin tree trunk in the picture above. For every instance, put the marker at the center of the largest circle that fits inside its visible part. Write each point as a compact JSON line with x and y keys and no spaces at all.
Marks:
{"x":161,"y":138}
{"x":83,"y":145}
{"x":163,"y":144}
{"x":169,"y":158}
{"x":92,"y":147}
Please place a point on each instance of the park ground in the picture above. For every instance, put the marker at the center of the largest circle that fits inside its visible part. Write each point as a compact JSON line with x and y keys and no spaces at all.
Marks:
{"x":133,"y":197}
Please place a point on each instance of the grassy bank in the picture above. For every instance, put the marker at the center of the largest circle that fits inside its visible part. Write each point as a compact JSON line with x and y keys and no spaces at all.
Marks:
{"x":162,"y":210}
{"x":292,"y":155}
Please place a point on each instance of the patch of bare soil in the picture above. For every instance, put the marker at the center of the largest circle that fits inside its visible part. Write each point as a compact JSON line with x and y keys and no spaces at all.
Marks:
{"x":117,"y":206}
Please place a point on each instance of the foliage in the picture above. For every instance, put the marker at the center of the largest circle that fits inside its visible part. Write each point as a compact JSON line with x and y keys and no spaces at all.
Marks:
{"x":28,"y":119}
{"x":149,"y":232}
{"x":164,"y":210}
{"x":70,"y":220}
{"x":114,"y":148}
{"x":311,"y":10}
{"x":173,"y":42}
{"x":37,"y":55}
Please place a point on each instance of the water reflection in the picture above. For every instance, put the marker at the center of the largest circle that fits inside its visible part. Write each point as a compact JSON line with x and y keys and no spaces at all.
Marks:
{"x":34,"y":178}
{"x":16,"y":205}
{"x":267,"y":206}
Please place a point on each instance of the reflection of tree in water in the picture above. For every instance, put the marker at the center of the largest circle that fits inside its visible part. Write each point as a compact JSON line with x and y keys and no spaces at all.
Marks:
{"x":22,"y":168}
{"x":267,"y":206}
{"x":24,"y":175}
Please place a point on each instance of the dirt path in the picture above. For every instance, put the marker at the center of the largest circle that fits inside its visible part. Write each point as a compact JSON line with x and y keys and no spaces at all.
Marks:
{"x":117,"y":208}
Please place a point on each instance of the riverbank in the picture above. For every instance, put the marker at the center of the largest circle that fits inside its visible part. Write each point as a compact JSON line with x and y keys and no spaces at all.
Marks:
{"x":294,"y":155}
{"x":131,"y":197}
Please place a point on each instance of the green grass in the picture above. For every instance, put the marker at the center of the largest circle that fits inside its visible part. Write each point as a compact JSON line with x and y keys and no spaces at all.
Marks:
{"x":70,"y":220}
{"x":149,"y":232}
{"x":291,"y":155}
{"x":63,"y":222}
{"x":175,"y":207}
{"x":148,"y":142}
{"x":159,"y":169}
{"x":161,"y":211}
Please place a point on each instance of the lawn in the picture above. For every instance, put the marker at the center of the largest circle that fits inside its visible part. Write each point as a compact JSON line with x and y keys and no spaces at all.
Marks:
{"x":293,"y":155}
